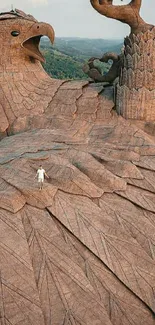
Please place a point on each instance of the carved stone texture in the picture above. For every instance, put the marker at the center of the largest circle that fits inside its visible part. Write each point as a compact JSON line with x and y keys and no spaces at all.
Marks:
{"x":114,"y":71}
{"x":136,"y":87}
{"x":135,"y":91}
{"x":29,"y":98}
{"x":82,"y":250}
{"x":128,"y":14}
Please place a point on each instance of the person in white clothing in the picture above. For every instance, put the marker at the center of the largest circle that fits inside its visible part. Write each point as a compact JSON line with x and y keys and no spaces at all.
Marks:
{"x":40,"y":176}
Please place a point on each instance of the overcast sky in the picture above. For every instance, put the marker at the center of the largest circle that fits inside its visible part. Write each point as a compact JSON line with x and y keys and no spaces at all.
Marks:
{"x":77,"y":17}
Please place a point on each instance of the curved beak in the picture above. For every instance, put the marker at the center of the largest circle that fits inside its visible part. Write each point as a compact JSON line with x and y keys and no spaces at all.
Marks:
{"x":31,"y":43}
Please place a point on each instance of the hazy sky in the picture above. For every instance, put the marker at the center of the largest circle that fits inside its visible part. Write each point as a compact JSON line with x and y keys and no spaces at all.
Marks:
{"x":77,"y":17}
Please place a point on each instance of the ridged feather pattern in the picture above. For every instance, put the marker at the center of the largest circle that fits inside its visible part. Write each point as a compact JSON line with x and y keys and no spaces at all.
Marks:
{"x":135,"y":92}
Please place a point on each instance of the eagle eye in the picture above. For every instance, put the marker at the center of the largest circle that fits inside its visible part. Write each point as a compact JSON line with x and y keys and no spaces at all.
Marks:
{"x":15,"y":33}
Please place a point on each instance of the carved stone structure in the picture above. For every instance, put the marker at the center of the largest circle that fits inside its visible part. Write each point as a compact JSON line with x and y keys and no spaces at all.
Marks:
{"x":82,"y":250}
{"x":114,"y":71}
{"x":136,"y":88}
{"x":29,"y":98}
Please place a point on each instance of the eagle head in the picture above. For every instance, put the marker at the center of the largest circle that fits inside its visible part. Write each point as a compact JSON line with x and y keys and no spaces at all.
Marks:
{"x":20,"y":35}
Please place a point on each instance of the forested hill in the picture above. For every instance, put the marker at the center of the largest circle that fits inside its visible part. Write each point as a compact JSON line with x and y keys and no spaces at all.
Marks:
{"x":66,"y":57}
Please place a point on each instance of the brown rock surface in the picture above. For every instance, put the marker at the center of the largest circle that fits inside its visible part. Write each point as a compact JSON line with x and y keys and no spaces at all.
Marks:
{"x":87,"y":239}
{"x":82,"y":250}
{"x":29,"y":98}
{"x":134,"y":67}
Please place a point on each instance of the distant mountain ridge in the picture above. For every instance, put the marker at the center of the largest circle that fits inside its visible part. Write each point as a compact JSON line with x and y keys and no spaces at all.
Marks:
{"x":66,"y":57}
{"x":84,"y":46}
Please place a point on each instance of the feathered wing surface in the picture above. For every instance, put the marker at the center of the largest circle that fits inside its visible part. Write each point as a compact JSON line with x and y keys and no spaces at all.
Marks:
{"x":135,"y":91}
{"x":82,"y":250}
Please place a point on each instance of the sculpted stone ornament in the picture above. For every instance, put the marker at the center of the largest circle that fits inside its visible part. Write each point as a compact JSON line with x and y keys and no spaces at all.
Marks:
{"x":135,"y":91}
{"x":81,"y":251}
{"x":114,"y":71}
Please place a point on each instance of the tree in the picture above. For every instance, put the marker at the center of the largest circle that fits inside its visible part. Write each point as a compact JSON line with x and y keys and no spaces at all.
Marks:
{"x":135,"y":96}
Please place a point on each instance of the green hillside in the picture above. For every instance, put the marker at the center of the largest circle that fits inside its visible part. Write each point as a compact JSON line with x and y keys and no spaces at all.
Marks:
{"x":66,"y":57}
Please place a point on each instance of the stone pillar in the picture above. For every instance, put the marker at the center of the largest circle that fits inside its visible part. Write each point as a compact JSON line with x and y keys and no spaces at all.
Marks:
{"x":135,"y":97}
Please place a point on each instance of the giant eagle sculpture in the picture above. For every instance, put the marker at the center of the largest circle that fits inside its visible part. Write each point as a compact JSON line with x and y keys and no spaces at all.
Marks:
{"x":82,"y":250}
